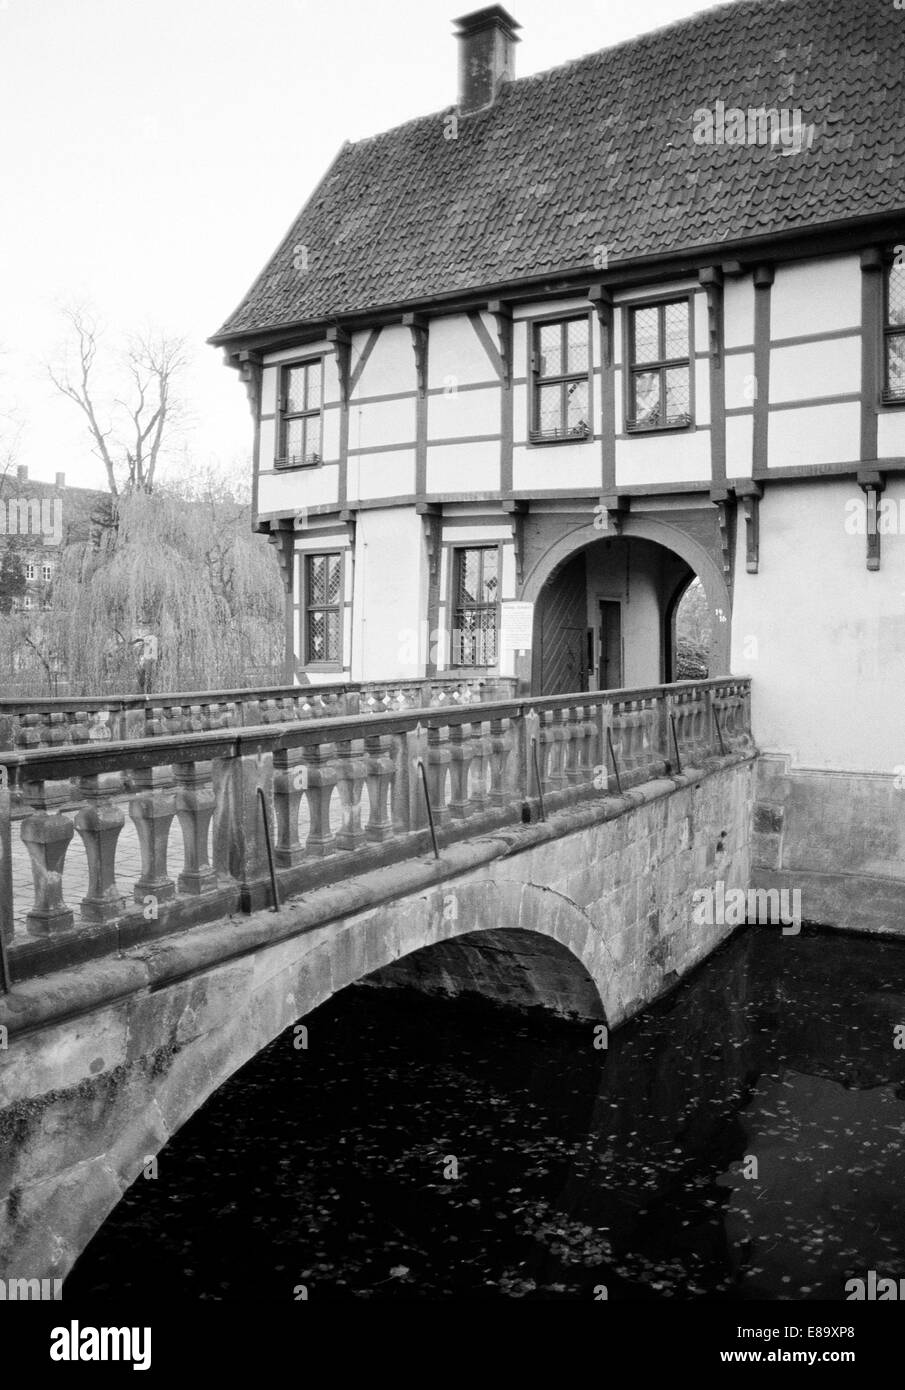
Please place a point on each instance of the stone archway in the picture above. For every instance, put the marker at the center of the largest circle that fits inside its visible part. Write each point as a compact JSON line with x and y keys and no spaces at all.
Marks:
{"x":566,"y":547}
{"x":88,"y":1104}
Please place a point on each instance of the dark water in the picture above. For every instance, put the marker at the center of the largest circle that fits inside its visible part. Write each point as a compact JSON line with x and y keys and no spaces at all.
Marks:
{"x":332,"y":1167}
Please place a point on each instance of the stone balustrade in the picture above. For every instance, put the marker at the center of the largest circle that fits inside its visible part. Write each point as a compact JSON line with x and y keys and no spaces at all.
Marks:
{"x":344,"y":794}
{"x":40,"y":723}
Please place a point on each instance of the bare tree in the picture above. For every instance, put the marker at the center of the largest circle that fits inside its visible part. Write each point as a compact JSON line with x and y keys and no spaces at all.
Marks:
{"x":11,"y":429}
{"x":130,"y":434}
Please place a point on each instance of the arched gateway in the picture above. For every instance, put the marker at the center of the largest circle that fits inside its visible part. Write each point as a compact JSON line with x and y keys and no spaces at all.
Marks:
{"x":605,"y":604}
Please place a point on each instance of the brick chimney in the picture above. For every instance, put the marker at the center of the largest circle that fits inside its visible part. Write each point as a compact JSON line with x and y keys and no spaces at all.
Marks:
{"x":22,"y":473}
{"x":487,"y":42}
{"x":60,"y":483}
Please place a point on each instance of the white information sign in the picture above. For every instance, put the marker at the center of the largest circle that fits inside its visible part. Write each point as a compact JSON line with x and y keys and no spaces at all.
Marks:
{"x":516,"y":626}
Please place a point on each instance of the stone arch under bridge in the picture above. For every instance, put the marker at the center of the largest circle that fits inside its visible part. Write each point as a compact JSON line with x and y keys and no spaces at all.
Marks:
{"x":589,"y":915}
{"x":85,"y":1103}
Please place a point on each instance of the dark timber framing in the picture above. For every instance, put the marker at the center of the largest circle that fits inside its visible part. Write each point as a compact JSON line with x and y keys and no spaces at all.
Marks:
{"x":763,"y":282}
{"x":712,"y":280}
{"x":871,"y":340}
{"x":602,"y":301}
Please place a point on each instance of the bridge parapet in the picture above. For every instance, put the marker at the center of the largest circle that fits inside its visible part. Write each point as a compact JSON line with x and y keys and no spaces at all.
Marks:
{"x":55,"y":723}
{"x":343,"y":795}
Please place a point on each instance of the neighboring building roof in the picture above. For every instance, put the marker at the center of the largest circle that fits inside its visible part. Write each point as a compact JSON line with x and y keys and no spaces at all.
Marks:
{"x":82,"y":509}
{"x":600,"y":152}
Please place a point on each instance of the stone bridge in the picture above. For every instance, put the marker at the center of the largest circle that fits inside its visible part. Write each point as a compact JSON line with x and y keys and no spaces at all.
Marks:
{"x":544,"y":853}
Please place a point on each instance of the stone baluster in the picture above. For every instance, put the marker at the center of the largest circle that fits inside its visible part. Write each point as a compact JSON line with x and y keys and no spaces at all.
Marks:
{"x":153,"y":809}
{"x":574,"y":748}
{"x":438,"y":760}
{"x":461,"y":754}
{"x":552,"y":740}
{"x":502,"y":744}
{"x":586,"y":756}
{"x":479,"y":793}
{"x":380,"y":765}
{"x":194,"y":810}
{"x":290,"y":783}
{"x":322,"y":778}
{"x":99,"y":822}
{"x":647,"y":724}
{"x":46,"y":835}
{"x":352,"y":769}
{"x":623,"y":739}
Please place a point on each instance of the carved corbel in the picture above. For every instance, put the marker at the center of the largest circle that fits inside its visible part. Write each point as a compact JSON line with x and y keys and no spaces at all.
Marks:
{"x":417,"y":325}
{"x":610,"y":513}
{"x":517,"y":511}
{"x":349,"y":517}
{"x":750,"y":495}
{"x":342,"y":348}
{"x":502,"y":315}
{"x":250,"y":367}
{"x":282,"y":536}
{"x":432,"y":516}
{"x":602,"y":300}
{"x":711,"y":277}
{"x":872,"y":484}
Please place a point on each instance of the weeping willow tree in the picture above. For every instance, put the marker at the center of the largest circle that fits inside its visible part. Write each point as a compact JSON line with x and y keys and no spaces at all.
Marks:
{"x":172,"y":591}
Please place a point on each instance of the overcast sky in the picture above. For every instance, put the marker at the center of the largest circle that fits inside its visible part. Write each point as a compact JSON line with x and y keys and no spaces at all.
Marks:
{"x":154,"y":152}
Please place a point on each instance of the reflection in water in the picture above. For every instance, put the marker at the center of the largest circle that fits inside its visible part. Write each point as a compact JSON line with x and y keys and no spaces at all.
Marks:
{"x":424,"y":1148}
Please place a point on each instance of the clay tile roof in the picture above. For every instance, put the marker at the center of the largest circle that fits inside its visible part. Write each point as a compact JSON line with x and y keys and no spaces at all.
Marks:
{"x":600,"y":152}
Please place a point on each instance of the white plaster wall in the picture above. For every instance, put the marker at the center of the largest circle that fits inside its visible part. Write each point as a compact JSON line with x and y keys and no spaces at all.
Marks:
{"x":456,"y":351}
{"x":702,"y":391}
{"x":739,"y":379}
{"x":475,"y":535}
{"x":557,"y":466}
{"x":822,"y":637}
{"x":808,"y":370}
{"x":379,"y":423}
{"x":663,"y":458}
{"x":700,"y":325}
{"x":549,"y":306}
{"x":818,"y":296}
{"x":814,"y":434}
{"x":267,"y":444}
{"x":891,"y":434}
{"x":458,"y":468}
{"x":390,"y":598}
{"x":297,"y":488}
{"x":739,"y":445}
{"x":321,"y":348}
{"x":390,"y":474}
{"x":391,"y":365}
{"x":457,"y":413}
{"x":269,"y":380}
{"x":738,"y":311}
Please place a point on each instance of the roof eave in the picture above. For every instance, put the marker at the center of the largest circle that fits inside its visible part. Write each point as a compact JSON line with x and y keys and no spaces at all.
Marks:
{"x":635,"y":270}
